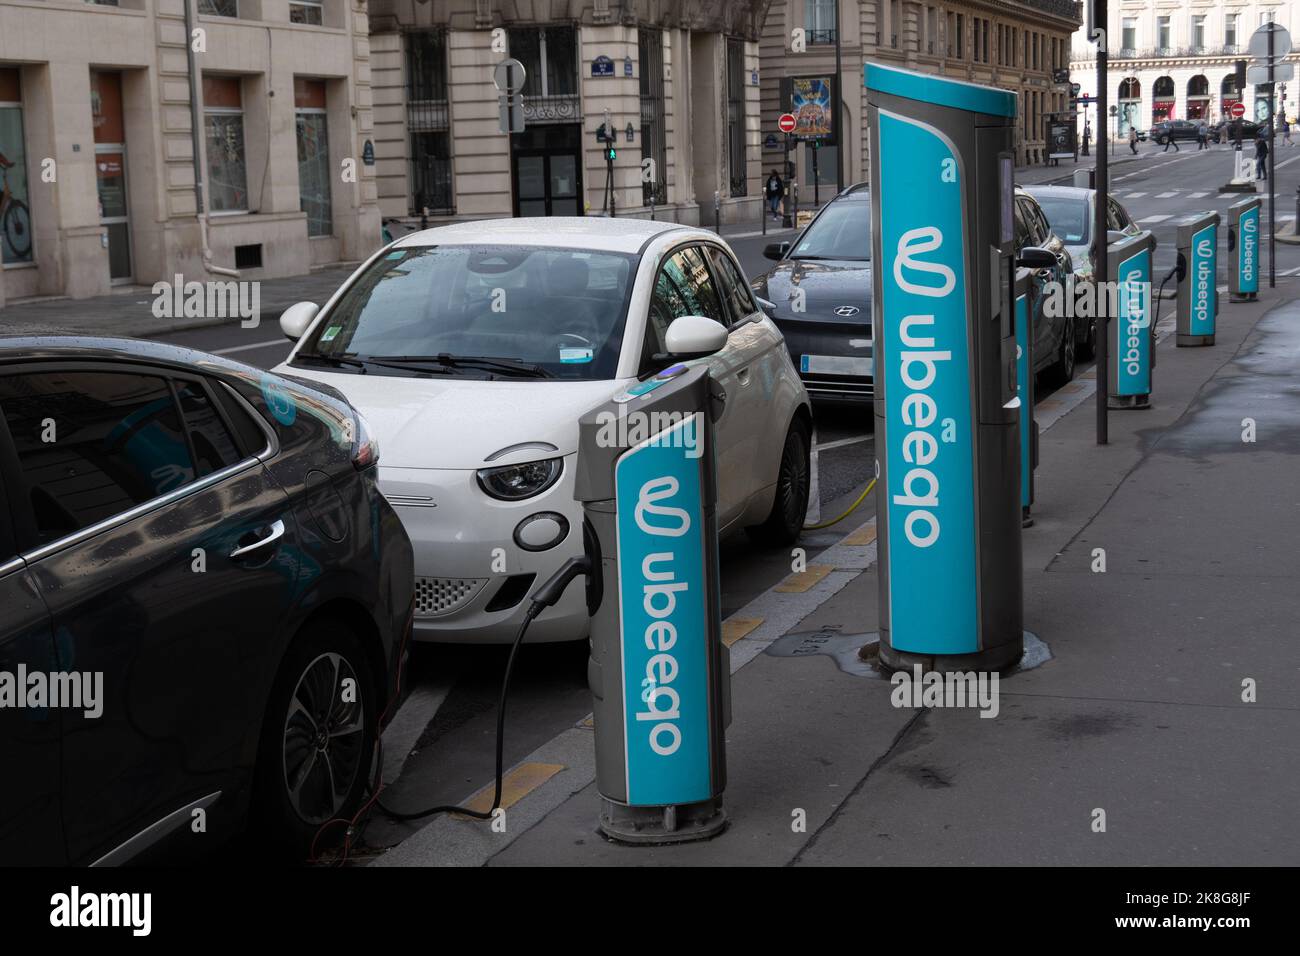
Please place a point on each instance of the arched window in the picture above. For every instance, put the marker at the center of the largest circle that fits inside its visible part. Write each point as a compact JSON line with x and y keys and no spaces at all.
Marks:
{"x":1162,"y":99}
{"x":1198,"y":98}
{"x":1130,"y":101}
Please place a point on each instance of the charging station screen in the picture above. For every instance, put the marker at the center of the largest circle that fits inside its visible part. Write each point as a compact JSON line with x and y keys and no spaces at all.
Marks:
{"x":933,"y":605}
{"x":664,"y":621}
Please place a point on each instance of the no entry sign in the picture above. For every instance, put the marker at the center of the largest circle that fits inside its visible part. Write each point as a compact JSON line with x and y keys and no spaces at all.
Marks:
{"x":1238,"y":110}
{"x":786,"y":123}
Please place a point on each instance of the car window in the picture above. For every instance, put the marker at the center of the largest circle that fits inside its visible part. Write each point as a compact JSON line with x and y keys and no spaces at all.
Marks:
{"x":91,"y":445}
{"x":558,"y":308}
{"x":1068,"y":218}
{"x":1029,"y":224}
{"x":682,"y":287}
{"x":214,"y":446}
{"x":1117,"y":215}
{"x":735,"y":292}
{"x":1022,"y":227}
{"x":1044,"y":227}
{"x":842,"y":231}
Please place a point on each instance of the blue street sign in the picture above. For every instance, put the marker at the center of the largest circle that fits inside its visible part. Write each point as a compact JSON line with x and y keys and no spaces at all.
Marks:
{"x":602,"y":66}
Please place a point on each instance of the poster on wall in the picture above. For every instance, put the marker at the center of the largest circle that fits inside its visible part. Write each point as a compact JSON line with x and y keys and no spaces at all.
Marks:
{"x":15,"y":217}
{"x":809,"y":99}
{"x":1061,"y":131}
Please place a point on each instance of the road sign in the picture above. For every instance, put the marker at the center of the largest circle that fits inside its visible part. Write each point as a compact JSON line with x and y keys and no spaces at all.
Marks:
{"x":1238,"y":110}
{"x":1259,"y":41}
{"x":786,"y":123}
{"x":509,"y":76}
{"x":1114,"y":111}
{"x":511,"y":113}
{"x":1075,"y":88}
{"x":1258,"y":74}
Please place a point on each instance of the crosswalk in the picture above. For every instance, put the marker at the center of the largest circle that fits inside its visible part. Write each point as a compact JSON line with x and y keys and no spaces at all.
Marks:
{"x":1183,"y":201}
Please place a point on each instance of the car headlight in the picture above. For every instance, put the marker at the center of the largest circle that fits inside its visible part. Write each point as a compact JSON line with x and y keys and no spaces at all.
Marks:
{"x":517,"y":482}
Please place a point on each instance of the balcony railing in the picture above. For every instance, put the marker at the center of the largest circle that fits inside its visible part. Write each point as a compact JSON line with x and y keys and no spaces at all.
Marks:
{"x":563,"y":108}
{"x":821,"y":36}
{"x":426,"y":116}
{"x":1160,"y":52}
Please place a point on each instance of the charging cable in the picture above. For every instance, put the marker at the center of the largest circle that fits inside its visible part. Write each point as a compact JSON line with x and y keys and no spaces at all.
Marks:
{"x":545,"y":596}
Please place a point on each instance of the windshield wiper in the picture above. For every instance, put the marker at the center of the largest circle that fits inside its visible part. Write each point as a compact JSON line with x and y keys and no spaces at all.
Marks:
{"x":510,"y":366}
{"x":361,"y":362}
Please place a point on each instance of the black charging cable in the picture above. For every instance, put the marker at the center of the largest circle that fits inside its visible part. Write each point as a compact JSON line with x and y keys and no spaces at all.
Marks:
{"x":1179,"y":270}
{"x":545,"y":596}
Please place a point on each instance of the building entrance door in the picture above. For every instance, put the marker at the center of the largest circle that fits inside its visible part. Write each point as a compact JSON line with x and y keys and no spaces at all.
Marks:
{"x":110,"y":171}
{"x":546,"y":170}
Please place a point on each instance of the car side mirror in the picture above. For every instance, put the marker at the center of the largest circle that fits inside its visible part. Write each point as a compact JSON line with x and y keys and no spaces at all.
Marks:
{"x":694,"y":336}
{"x":776,"y":250}
{"x":1113,"y":236}
{"x":295,"y":320}
{"x":1035,"y":257}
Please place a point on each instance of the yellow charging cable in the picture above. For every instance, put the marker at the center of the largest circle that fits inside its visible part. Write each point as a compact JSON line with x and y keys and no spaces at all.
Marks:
{"x":852,"y":508}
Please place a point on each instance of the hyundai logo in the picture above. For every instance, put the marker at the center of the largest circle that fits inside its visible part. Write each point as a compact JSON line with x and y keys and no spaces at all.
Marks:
{"x":846,"y":310}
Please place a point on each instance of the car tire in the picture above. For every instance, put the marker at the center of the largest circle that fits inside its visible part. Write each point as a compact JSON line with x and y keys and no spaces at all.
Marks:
{"x":309,"y":727}
{"x":790,"y":501}
{"x":1086,"y":347}
{"x":1061,"y":371}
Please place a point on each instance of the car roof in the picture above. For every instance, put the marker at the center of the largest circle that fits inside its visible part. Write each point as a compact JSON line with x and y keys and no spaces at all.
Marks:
{"x":565,"y":232}
{"x":1059,"y":192}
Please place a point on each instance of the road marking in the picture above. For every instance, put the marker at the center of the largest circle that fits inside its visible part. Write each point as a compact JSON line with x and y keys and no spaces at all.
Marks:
{"x":248,"y":348}
{"x":1197,"y":195}
{"x":1135,"y":195}
{"x":410,"y":721}
{"x":863,"y":536}
{"x":1159,"y":218}
{"x":1168,"y":195}
{"x":842,"y":442}
{"x":515,"y":785}
{"x":734,"y":628}
{"x":801,"y":581}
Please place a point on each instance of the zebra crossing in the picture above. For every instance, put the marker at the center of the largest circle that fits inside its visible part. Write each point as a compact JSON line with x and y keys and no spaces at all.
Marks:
{"x":1179,"y":198}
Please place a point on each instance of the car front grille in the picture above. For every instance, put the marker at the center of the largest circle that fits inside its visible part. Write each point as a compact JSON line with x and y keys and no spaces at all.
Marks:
{"x":843,"y":386}
{"x":437,"y":596}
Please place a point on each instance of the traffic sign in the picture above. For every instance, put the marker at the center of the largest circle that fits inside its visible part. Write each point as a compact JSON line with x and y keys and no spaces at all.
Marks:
{"x":1259,"y":41}
{"x":1238,"y":110}
{"x":1075,"y":88}
{"x":1259,"y":74}
{"x":786,"y":123}
{"x":509,"y":76}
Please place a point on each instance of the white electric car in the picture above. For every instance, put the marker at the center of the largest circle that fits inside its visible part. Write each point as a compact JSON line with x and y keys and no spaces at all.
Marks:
{"x":473,"y":349}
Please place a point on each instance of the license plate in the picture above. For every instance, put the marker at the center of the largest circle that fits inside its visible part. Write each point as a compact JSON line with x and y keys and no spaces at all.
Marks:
{"x":835,"y":365}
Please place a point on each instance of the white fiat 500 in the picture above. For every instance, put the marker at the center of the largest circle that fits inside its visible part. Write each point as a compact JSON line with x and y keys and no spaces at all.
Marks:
{"x":473,"y":349}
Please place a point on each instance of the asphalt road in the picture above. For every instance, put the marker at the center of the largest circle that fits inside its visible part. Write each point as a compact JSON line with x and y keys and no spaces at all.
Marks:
{"x":457,"y":687}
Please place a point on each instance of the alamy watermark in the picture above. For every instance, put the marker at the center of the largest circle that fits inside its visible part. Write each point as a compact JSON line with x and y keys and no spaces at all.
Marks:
{"x":35,"y":690}
{"x":628,"y":428}
{"x":208,"y":300}
{"x":954,"y":689}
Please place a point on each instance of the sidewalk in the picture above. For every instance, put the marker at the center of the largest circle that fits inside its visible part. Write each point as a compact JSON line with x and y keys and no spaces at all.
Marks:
{"x":1137,"y":713}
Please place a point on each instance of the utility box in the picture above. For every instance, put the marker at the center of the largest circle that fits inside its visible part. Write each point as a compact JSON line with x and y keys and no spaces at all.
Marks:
{"x":659,"y":673}
{"x":1198,"y":288}
{"x":946,"y":406}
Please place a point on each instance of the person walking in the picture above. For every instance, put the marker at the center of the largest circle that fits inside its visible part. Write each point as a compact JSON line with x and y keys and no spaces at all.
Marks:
{"x":1170,"y":141}
{"x":775,"y":189}
{"x":1286,"y":130}
{"x":1202,"y":138}
{"x":1133,"y":139}
{"x":1261,"y":155}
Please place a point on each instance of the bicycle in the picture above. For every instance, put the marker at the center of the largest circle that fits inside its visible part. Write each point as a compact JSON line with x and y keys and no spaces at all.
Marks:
{"x":15,"y":220}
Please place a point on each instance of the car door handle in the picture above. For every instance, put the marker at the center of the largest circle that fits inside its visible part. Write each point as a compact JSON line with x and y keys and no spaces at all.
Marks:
{"x":276,"y":533}
{"x":743,"y":376}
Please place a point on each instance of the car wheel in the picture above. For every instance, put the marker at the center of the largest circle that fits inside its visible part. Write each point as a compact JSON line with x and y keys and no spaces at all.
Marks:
{"x":317,"y":739}
{"x":790,"y":503}
{"x":1087,"y":347}
{"x":1062,"y":370}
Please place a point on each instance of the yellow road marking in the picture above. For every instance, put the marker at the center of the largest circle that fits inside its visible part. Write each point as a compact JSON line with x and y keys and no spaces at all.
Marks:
{"x":515,"y":785}
{"x":734,"y":628}
{"x":804,"y":580}
{"x":864,"y":535}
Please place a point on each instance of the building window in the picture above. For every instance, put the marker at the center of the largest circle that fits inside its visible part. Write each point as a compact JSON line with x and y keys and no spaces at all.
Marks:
{"x":1198,"y":32}
{"x":736,"y":116}
{"x":1163,"y":33}
{"x":895,"y":21}
{"x":219,"y":8}
{"x":819,"y":20}
{"x":654,"y":147}
{"x":550,"y":59}
{"x":427,"y":122}
{"x":1230,"y":32}
{"x":15,"y":217}
{"x":313,"y":155}
{"x":1128,"y":35}
{"x":223,"y":121}
{"x":961,"y":36}
{"x":307,"y":11}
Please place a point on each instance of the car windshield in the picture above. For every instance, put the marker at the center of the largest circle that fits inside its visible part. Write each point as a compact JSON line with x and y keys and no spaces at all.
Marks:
{"x":1067,"y":217}
{"x":481,"y":310}
{"x":842,"y":231}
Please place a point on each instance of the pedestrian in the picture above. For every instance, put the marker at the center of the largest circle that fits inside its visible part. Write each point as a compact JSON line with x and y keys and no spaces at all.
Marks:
{"x":1170,"y":141}
{"x":775,"y":189}
{"x":1286,"y":132}
{"x":1133,"y":139}
{"x":1261,"y":155}
{"x":1202,"y":138}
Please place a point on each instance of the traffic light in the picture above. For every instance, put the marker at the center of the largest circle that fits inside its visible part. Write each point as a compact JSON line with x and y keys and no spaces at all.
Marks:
{"x":611,"y":153}
{"x":1241,"y":76}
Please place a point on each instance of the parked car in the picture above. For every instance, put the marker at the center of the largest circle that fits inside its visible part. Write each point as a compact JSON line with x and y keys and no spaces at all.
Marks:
{"x":820,"y":290}
{"x":474,"y":348}
{"x":1177,"y":130}
{"x":1071,"y":213}
{"x":1054,"y":336}
{"x":819,"y":294}
{"x":209,"y":540}
{"x":1225,"y":131}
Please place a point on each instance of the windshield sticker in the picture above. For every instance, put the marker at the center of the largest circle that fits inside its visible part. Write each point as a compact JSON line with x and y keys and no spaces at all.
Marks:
{"x":399,"y":254}
{"x":572,"y":356}
{"x":329,"y":333}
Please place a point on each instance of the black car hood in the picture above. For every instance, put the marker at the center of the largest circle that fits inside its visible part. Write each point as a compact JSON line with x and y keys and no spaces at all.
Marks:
{"x":827,"y":285}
